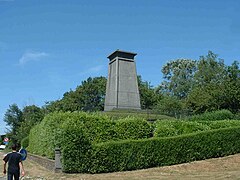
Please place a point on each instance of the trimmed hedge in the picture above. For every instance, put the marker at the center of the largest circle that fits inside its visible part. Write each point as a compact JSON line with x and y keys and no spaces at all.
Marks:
{"x":44,"y":137}
{"x":86,"y":141}
{"x":146,"y":153}
{"x":165,"y":128}
{"x":132,"y":128}
{"x":25,"y":142}
{"x":75,"y":149}
{"x":47,"y":135}
{"x":213,"y":116}
{"x":221,"y":124}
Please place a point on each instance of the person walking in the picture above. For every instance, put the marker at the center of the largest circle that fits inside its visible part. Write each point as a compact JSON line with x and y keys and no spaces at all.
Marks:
{"x":14,"y":160}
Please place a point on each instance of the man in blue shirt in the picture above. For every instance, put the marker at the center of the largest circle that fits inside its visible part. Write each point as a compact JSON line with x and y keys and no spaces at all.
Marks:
{"x":14,"y":164}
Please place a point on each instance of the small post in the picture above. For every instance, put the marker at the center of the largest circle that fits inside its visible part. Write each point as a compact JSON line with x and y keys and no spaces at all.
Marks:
{"x":58,"y":164}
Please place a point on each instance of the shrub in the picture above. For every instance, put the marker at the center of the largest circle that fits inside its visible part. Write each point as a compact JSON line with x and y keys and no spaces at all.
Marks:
{"x":98,"y":127}
{"x":165,"y":128}
{"x":132,"y":128}
{"x":213,"y":116}
{"x":25,"y":142}
{"x":43,"y":138}
{"x":221,"y":124}
{"x":145,"y":153}
{"x":237,"y":116}
{"x":76,"y":149}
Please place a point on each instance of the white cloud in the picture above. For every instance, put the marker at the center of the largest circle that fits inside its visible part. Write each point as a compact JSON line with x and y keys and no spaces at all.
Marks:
{"x":92,"y":70}
{"x":96,"y":68}
{"x":32,"y":56}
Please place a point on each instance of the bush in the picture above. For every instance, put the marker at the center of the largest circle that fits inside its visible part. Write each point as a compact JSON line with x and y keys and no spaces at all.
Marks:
{"x":213,"y":116}
{"x":132,"y":128}
{"x":98,"y":128}
{"x":75,"y":149}
{"x":165,"y":128}
{"x":237,"y":116}
{"x":146,"y":153}
{"x":25,"y":142}
{"x":221,"y":124}
{"x":43,"y":138}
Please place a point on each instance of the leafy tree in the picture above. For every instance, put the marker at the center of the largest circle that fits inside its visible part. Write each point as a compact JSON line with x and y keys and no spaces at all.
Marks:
{"x":170,"y":105}
{"x":148,"y":96}
{"x":231,"y":89}
{"x":89,"y":96}
{"x":13,"y":118}
{"x":31,"y":116}
{"x":178,"y":75}
{"x":93,"y":93}
{"x":216,"y":86}
{"x":210,"y":69}
{"x":205,"y":98}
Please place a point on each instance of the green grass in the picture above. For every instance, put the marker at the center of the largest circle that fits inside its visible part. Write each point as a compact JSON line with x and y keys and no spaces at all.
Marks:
{"x":146,"y":114}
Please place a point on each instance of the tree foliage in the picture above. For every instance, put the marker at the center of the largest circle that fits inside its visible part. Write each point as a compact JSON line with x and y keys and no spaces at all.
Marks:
{"x":13,"y":118}
{"x":170,"y":105}
{"x":89,"y":96}
{"x":20,"y":121}
{"x":31,"y":115}
{"x":148,"y":95}
{"x":232,"y":88}
{"x":210,"y":69}
{"x":204,"y":85}
{"x":178,"y":77}
{"x":216,"y":86}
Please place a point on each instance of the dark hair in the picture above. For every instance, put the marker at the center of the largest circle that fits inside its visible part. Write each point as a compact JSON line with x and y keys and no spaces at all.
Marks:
{"x":14,"y":147}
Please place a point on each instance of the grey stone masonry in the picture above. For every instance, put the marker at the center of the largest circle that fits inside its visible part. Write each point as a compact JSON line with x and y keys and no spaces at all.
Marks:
{"x":122,"y":86}
{"x":58,"y":164}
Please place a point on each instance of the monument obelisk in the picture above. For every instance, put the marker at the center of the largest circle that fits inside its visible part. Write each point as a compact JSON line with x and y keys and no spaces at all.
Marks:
{"x":122,"y":85}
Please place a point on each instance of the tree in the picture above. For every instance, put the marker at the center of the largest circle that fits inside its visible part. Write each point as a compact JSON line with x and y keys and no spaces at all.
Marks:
{"x":231,"y":89}
{"x":31,"y":115}
{"x":89,"y":96}
{"x":148,"y":96}
{"x":205,"y":98}
{"x":210,"y":69}
{"x":178,"y":75}
{"x":13,"y":118}
{"x":170,"y":105}
{"x":216,"y":85}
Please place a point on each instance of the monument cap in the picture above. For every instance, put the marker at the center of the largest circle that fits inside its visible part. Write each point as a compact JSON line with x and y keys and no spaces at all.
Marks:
{"x":122,"y":54}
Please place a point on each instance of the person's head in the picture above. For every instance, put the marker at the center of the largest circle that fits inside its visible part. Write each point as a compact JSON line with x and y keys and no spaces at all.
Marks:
{"x":14,"y":147}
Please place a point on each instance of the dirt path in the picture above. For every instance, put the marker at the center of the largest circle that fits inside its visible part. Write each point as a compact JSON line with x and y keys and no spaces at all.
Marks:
{"x":218,"y":168}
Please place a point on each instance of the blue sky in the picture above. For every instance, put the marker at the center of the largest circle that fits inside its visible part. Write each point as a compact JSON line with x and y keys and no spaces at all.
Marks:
{"x":48,"y":47}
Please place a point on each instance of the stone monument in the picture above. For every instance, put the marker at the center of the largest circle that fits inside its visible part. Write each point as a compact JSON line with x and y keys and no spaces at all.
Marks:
{"x":122,"y":86}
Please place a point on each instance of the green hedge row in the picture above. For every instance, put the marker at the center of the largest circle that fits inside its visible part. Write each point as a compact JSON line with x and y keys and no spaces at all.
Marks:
{"x":138,"y":154}
{"x":213,"y":116}
{"x":43,"y":138}
{"x":75,"y":148}
{"x":87,"y":145}
{"x":98,"y":128}
{"x":25,"y":142}
{"x":165,"y":128}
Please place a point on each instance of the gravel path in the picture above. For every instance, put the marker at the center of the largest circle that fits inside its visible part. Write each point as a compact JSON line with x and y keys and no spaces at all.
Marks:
{"x":211,"y":169}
